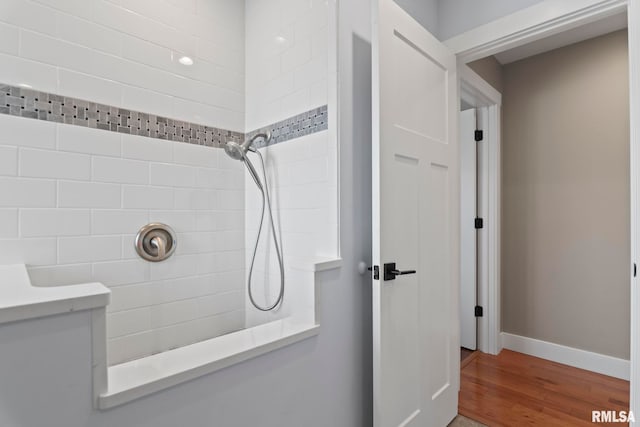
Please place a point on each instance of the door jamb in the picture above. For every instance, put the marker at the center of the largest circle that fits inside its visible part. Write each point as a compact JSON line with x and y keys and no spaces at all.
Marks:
{"x":478,"y":93}
{"x":551,"y":17}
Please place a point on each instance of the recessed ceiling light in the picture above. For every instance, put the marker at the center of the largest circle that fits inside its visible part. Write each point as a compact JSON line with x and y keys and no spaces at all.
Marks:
{"x":280,"y":39}
{"x":185,"y":60}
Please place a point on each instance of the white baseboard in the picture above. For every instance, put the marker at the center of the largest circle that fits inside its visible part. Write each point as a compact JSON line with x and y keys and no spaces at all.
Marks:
{"x":600,"y":363}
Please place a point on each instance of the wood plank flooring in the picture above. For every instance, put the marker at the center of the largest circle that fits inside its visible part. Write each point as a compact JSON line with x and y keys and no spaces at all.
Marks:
{"x":466,"y":356}
{"x":513,"y":389}
{"x":465,"y":353}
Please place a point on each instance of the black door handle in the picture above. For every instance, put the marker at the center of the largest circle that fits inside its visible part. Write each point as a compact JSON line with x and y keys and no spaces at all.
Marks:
{"x":390,"y":271}
{"x":402,"y":273}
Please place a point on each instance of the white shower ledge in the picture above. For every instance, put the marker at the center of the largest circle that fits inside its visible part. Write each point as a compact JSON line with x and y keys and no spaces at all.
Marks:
{"x":132,"y":380}
{"x":20,"y":300}
{"x":138,"y":378}
{"x":315,"y":264}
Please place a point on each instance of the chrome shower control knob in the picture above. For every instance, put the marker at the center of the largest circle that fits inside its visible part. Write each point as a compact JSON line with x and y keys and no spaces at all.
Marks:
{"x":156,"y":242}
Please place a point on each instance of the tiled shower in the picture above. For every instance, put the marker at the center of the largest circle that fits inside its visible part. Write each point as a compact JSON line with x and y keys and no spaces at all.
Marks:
{"x":112,"y":114}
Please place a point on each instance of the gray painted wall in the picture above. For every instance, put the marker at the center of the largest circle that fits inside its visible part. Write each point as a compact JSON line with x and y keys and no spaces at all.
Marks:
{"x":45,"y":365}
{"x":457,"y":16}
{"x":423,"y":11}
{"x":565,"y":195}
{"x":490,"y":70}
{"x":447,"y":18}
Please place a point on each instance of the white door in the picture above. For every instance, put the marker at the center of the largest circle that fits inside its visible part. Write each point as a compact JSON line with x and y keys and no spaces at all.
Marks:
{"x":468,"y":242}
{"x":415,"y":223}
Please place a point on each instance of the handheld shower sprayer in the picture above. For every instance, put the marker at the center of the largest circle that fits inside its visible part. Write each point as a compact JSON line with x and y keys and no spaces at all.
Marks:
{"x":239,"y":151}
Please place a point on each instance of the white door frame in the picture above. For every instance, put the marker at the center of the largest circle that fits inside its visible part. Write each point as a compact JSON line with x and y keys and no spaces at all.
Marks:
{"x":542,"y":20}
{"x":479,"y":94}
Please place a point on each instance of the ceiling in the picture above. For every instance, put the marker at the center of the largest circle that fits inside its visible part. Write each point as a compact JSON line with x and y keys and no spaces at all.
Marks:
{"x":566,"y":38}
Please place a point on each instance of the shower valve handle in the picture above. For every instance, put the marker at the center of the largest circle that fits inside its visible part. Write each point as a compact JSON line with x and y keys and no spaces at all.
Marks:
{"x":161,"y":245}
{"x":155,"y":242}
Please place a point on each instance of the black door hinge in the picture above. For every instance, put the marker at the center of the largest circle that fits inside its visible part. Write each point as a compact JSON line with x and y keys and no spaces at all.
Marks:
{"x":478,"y":311}
{"x":479,"y":135}
{"x":479,"y":223}
{"x":635,"y":270}
{"x":376,"y":272}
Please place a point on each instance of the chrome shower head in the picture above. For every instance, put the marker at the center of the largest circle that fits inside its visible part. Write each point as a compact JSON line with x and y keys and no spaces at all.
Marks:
{"x":239,"y":152}
{"x":235,"y":150}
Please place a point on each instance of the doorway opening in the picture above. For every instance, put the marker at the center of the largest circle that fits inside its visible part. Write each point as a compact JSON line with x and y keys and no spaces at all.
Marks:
{"x":416,"y":196}
{"x":565,"y":201}
{"x":479,"y":141}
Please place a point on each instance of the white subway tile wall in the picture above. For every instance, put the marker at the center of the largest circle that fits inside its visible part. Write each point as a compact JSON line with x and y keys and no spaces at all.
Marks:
{"x":72,"y":198}
{"x":286,"y":61}
{"x":71,"y":213}
{"x":302,"y":180}
{"x":287,"y":71}
{"x":127,"y":54}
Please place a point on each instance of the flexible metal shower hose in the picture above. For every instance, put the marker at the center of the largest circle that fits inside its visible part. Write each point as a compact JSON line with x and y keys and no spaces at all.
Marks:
{"x":266,"y":199}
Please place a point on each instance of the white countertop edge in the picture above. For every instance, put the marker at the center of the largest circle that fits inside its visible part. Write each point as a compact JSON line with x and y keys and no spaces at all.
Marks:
{"x":196,"y":359}
{"x":316,"y":264}
{"x":20,"y":300}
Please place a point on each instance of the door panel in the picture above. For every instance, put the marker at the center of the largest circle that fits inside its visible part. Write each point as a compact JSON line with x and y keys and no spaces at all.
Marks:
{"x":436,"y":303}
{"x":403,"y":305}
{"x":468,"y":243}
{"x":420,"y":85}
{"x":415,"y":223}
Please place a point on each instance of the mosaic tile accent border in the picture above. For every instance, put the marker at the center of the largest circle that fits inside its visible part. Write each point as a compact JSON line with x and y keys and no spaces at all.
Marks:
{"x":306,"y":123}
{"x":29,"y":103}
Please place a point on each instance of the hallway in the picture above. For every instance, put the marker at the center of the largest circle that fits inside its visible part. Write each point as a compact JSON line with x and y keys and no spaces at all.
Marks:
{"x":515,"y":389}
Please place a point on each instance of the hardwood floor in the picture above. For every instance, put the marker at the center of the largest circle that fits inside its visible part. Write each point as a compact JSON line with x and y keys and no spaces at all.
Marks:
{"x":466,"y":356}
{"x":513,"y":389}
{"x":464,"y":353}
